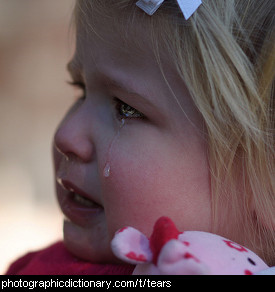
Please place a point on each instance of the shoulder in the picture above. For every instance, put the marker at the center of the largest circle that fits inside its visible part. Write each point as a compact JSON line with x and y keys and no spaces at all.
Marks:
{"x":38,"y":262}
{"x":56,"y":260}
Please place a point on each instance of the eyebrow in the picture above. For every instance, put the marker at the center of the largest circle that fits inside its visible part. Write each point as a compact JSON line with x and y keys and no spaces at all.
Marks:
{"x":75,"y":70}
{"x":117,"y":83}
{"x":123,"y":84}
{"x":126,"y":85}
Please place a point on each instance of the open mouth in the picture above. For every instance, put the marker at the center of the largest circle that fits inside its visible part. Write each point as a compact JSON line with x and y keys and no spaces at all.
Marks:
{"x":82,"y":201}
{"x":77,"y":196}
{"x":78,"y":206}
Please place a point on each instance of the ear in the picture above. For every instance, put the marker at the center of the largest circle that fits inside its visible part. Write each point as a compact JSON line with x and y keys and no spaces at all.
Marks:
{"x":132,"y":246}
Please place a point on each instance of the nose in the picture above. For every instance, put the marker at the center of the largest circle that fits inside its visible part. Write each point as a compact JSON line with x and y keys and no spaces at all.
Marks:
{"x":73,"y":139}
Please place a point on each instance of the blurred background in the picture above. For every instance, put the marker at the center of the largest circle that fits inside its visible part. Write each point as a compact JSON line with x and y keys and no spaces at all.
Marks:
{"x":35,"y":46}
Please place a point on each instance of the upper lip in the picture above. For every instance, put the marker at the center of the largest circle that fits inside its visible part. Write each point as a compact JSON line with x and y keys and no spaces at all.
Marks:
{"x":71,"y":187}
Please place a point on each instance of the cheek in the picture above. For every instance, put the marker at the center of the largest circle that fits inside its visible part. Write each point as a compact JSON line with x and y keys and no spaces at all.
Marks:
{"x":145,"y":185}
{"x":130,"y":192}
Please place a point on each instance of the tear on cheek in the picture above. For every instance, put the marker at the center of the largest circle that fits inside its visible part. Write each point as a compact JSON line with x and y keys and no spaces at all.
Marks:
{"x":108,"y":164}
{"x":107,"y":170}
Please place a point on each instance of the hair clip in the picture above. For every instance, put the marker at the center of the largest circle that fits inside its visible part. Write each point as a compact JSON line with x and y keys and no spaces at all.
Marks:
{"x":188,"y":7}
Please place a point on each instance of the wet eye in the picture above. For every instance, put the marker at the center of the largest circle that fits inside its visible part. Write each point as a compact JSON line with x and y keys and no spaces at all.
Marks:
{"x":125,"y":111}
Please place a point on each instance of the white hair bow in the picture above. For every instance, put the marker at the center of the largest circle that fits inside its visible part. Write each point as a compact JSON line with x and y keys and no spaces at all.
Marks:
{"x":188,"y":7}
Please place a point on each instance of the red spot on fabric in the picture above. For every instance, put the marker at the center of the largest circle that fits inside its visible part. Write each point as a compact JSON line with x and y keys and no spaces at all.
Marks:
{"x":188,"y":255}
{"x":186,"y":243}
{"x":247,"y":272}
{"x":164,"y":231}
{"x":122,"y":229}
{"x":236,"y":246}
{"x":140,"y":258}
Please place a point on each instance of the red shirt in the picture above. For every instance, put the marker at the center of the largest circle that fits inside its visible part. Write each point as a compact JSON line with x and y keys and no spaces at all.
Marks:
{"x":56,"y":260}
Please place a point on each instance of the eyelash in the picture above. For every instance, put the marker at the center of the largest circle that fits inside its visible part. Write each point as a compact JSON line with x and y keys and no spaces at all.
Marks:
{"x":123,"y":110}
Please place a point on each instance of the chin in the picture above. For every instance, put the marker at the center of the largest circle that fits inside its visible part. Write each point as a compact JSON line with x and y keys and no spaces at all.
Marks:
{"x":79,"y":242}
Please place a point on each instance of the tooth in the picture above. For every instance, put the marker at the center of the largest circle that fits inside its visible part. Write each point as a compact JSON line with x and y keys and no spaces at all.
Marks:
{"x":83,"y":201}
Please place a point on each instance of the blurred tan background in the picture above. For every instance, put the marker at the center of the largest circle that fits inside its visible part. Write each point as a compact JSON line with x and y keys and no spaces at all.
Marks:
{"x":35,"y":45}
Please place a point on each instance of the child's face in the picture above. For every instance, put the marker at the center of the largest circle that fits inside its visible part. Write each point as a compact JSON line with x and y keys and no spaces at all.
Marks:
{"x":158,"y":161}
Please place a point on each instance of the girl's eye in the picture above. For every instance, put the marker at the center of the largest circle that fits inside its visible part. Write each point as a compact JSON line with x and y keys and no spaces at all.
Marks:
{"x":125,"y":111}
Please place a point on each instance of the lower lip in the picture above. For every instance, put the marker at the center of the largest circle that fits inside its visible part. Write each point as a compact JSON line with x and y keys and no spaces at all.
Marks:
{"x":75,"y":212}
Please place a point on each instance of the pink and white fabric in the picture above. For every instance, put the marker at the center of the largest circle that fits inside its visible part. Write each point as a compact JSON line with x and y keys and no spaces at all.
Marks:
{"x":170,"y":252}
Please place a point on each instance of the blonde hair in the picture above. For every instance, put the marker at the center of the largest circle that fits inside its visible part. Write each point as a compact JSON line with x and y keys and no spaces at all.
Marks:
{"x":225,"y":54}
